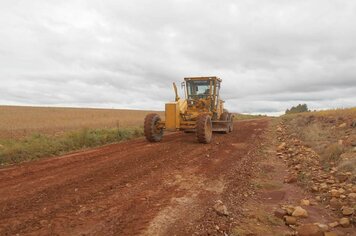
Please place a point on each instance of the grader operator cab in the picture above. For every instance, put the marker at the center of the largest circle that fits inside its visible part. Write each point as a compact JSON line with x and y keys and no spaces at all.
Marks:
{"x":202,"y":111}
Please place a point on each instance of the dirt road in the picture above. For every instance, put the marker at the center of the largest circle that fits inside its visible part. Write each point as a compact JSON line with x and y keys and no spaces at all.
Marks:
{"x":133,"y":188}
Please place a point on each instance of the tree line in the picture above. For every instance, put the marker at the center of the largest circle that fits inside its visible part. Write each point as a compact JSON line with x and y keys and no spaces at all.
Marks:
{"x":298,"y":109}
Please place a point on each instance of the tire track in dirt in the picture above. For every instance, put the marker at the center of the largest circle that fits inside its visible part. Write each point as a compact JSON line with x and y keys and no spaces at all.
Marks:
{"x":126,"y":188}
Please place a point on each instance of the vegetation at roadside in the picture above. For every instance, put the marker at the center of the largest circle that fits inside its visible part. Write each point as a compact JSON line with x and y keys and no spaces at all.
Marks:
{"x":39,"y":145}
{"x":331,"y":133}
{"x":337,"y":113}
{"x":239,"y":116}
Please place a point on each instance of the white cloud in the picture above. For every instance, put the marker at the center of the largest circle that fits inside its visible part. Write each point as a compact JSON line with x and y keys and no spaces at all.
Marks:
{"x":270,"y":54}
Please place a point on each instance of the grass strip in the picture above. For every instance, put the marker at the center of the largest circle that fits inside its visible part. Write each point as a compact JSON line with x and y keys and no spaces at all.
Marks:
{"x":39,"y":145}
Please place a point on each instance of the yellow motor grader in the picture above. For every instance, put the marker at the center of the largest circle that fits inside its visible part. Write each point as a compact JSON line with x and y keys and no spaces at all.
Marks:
{"x":202,"y":111}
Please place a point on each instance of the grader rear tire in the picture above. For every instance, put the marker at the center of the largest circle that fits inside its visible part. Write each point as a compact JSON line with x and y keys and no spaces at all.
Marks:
{"x":152,"y":133}
{"x":204,"y":129}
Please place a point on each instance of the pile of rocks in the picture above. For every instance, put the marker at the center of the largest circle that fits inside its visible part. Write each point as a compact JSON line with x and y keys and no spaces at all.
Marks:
{"x":290,"y":214}
{"x":331,"y":187}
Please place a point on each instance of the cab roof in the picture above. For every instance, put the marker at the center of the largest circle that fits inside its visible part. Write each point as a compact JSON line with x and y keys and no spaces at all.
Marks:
{"x":203,"y":78}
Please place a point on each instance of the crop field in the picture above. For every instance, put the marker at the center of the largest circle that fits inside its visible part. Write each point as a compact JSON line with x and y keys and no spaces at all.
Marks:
{"x":17,"y":121}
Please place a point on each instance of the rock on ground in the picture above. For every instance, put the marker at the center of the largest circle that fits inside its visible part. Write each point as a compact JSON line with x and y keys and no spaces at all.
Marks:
{"x":309,"y":230}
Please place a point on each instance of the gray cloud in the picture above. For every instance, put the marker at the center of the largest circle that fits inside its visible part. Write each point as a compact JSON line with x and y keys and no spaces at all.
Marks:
{"x":125,"y":54}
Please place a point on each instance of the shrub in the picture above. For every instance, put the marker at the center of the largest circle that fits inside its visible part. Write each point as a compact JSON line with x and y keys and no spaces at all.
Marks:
{"x":348,"y":165}
{"x":331,"y":154}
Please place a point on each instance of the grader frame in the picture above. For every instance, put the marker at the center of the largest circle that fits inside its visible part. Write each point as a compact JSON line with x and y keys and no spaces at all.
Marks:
{"x":202,"y":111}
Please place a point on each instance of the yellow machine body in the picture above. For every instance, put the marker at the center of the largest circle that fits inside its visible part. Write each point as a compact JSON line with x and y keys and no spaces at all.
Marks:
{"x":182,"y":114}
{"x":173,"y":112}
{"x":202,"y":111}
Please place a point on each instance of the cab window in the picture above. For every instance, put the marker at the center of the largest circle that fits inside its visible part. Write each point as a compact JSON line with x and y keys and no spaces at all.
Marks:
{"x":198,"y":89}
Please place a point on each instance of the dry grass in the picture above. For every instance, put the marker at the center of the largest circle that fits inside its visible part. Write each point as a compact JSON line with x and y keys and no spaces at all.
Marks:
{"x":330,"y":133}
{"x":348,"y":165}
{"x":332,"y":153}
{"x":238,"y":116}
{"x":18,"y":122}
{"x":350,"y":112}
{"x":333,"y":113}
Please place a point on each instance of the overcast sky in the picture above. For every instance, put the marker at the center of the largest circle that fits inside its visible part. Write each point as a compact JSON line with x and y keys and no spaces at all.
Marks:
{"x":126,"y":54}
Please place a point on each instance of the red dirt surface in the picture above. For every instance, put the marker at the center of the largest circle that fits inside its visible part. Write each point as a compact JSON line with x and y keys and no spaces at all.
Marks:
{"x":133,"y":188}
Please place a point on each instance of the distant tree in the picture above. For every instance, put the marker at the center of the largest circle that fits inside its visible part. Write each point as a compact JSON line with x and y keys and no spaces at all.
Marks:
{"x":298,"y":109}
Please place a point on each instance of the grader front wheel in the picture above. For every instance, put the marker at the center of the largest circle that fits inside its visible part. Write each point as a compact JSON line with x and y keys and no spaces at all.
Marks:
{"x":152,"y":132}
{"x":204,"y":129}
